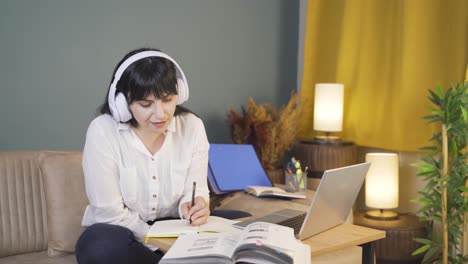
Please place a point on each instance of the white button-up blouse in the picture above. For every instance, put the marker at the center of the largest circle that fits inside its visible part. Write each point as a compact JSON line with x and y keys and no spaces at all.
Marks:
{"x":128,"y":186}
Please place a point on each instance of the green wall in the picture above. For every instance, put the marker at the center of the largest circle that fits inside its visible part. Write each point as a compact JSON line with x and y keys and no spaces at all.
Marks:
{"x":57,"y":59}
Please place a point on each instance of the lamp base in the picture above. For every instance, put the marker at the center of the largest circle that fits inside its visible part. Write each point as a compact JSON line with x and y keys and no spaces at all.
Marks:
{"x":327,"y":138}
{"x":381,"y":215}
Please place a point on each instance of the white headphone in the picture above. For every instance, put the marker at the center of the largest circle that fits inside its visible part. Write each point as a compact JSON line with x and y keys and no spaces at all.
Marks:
{"x":118,"y":104}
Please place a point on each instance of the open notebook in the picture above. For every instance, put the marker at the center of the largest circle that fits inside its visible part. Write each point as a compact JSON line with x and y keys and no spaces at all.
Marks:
{"x":266,"y":191}
{"x":177,"y":227}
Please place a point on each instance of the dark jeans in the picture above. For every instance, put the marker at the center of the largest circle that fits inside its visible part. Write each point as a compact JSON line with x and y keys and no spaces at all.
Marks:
{"x":113,"y":244}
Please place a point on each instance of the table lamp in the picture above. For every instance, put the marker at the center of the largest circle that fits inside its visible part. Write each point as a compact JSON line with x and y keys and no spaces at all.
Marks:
{"x":326,"y":152}
{"x":328,"y":109}
{"x":382,"y":185}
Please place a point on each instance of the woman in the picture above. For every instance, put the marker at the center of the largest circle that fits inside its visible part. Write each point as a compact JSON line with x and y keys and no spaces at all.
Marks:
{"x":140,"y":159}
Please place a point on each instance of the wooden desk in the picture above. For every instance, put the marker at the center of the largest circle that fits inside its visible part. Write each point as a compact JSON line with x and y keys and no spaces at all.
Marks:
{"x":335,"y":239}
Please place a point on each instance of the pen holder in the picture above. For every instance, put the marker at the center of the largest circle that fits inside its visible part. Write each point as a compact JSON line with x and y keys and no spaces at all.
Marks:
{"x":295,"y":182}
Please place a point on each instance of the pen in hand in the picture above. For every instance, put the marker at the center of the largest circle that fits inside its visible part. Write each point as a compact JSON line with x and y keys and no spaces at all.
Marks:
{"x":193,"y":199}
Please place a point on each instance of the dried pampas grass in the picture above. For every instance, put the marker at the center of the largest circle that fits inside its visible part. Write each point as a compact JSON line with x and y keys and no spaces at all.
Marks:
{"x":271,"y":131}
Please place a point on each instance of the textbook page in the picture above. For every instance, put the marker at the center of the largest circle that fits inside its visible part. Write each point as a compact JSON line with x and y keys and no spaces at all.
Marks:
{"x":280,"y":238}
{"x":202,"y":248}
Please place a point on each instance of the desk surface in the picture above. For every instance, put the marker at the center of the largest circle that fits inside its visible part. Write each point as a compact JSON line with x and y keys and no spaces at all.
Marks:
{"x":336,"y":238}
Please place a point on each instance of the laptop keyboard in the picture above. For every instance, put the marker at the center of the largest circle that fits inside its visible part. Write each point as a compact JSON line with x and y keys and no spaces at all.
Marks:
{"x":268,"y":218}
{"x":281,"y":218}
{"x":295,"y":222}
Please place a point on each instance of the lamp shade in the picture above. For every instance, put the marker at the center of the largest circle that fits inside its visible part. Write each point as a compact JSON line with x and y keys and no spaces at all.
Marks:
{"x":328,"y":107}
{"x":382,"y":181}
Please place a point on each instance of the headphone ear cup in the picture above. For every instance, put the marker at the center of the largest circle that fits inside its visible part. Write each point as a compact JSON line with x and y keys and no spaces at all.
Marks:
{"x":182,"y":91}
{"x":121,"y":106}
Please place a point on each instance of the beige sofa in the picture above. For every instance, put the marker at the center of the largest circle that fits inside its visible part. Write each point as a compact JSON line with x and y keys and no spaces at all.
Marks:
{"x":42,"y":200}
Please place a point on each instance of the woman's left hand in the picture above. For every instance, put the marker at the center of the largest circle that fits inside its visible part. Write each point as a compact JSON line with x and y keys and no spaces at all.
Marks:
{"x":198,"y":213}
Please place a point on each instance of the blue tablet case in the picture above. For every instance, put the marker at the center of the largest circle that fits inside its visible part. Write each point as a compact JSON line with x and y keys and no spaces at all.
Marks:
{"x":233,"y":167}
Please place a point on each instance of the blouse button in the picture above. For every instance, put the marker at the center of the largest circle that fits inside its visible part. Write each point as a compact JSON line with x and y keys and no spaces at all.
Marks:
{"x":154,"y":196}
{"x":154,"y":209}
{"x":154,"y":177}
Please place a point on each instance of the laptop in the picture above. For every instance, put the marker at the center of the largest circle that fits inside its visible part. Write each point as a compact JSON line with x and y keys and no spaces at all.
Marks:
{"x":330,"y":205}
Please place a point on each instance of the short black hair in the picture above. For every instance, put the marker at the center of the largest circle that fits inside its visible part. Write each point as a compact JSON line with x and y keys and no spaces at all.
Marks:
{"x":151,"y":75}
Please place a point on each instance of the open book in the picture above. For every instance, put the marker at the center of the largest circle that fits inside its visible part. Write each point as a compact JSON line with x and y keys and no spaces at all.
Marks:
{"x":258,"y":242}
{"x":265,"y":191}
{"x":176,"y":227}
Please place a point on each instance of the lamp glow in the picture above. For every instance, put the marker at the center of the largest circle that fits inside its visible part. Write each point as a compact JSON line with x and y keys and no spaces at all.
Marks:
{"x":382,"y":185}
{"x":328,"y":107}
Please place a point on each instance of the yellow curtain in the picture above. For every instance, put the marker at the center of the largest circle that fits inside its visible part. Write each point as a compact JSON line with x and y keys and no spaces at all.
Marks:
{"x":387,"y":53}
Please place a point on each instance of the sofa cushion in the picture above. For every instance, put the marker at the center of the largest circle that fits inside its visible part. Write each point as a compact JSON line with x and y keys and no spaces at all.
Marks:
{"x":23,"y":226}
{"x":66,"y":199}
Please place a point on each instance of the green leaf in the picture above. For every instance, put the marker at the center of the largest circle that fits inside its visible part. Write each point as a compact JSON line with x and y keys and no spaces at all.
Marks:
{"x":430,"y":160}
{"x":425,"y":200}
{"x":436,"y":218}
{"x":430,"y":254}
{"x":435,"y":98}
{"x":418,"y":164}
{"x":435,"y":117}
{"x":464,"y":113}
{"x":426,"y":170}
{"x":423,"y":241}
{"x":440,"y":93}
{"x":421,"y":250}
{"x":428,"y":148}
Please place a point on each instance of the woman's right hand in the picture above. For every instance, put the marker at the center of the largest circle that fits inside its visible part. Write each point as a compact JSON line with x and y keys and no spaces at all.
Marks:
{"x":198,"y":213}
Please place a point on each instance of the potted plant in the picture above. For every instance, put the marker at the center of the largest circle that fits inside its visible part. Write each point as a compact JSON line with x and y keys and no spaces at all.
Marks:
{"x":444,"y":169}
{"x":272,"y":131}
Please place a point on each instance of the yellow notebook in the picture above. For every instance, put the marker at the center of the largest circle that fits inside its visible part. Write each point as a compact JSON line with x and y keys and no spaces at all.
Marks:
{"x":176,"y":227}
